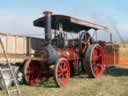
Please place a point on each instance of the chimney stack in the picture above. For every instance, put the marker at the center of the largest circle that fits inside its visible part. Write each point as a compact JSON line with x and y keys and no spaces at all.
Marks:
{"x":48,"y":35}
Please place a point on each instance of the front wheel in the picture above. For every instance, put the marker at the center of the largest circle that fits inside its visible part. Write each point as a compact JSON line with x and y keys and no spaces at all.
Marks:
{"x":62,"y":72}
{"x":94,"y":61}
{"x":32,"y":72}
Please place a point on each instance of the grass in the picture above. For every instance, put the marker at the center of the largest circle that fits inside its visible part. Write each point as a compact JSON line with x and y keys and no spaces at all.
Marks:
{"x":113,"y":83}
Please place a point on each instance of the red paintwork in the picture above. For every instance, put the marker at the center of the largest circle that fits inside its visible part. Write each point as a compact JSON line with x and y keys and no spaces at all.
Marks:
{"x":32,"y":72}
{"x":62,"y":72}
{"x":68,"y":53}
{"x":97,"y":61}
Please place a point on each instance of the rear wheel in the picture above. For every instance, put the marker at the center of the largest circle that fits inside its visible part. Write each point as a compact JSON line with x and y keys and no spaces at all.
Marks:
{"x":94,"y":61}
{"x":62,"y":72}
{"x":32,"y":72}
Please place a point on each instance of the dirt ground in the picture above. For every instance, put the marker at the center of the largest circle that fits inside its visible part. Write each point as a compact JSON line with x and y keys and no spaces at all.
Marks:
{"x":113,"y":83}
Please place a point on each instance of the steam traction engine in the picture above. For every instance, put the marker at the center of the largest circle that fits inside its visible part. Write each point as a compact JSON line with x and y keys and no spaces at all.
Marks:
{"x":60,"y":57}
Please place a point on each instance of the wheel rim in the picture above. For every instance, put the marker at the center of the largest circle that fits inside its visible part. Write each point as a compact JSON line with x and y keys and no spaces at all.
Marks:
{"x":97,"y":61}
{"x":32,"y":72}
{"x":62,"y":72}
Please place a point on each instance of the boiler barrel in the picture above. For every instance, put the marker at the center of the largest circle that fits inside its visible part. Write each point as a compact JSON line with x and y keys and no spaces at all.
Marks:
{"x":50,"y":54}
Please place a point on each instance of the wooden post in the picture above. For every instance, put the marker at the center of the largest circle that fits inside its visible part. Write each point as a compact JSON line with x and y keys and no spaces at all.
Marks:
{"x":28,"y":45}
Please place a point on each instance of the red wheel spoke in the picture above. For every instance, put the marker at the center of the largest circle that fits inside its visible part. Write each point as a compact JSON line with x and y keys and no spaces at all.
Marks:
{"x":63,"y":72}
{"x":99,"y":65}
{"x":98,"y":55}
{"x":59,"y":74}
{"x":95,"y":60}
{"x":32,"y":72}
{"x":60,"y":69}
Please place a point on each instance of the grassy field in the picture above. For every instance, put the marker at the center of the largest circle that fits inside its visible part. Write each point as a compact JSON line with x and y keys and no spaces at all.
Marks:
{"x":113,"y":83}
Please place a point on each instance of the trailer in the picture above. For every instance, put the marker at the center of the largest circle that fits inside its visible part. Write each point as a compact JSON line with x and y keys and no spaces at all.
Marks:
{"x":19,"y":50}
{"x":116,"y":54}
{"x":55,"y":56}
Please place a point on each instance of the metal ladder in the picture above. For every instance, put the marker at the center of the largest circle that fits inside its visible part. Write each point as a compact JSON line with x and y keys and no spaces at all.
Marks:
{"x":13,"y":78}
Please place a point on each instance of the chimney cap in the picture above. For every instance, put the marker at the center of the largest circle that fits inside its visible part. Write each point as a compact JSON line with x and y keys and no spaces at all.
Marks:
{"x":47,"y":13}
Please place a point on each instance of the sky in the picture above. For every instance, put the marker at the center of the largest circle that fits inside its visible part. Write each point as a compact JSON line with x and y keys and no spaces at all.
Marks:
{"x":16,"y":16}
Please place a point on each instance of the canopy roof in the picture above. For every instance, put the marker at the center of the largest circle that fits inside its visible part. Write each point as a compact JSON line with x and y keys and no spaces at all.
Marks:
{"x":70,"y":24}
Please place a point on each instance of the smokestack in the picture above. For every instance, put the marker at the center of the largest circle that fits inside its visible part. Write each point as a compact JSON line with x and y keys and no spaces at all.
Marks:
{"x":48,"y":35}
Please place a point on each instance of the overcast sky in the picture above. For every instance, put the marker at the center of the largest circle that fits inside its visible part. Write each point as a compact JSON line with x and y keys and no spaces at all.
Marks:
{"x":16,"y":16}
